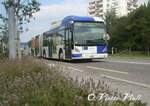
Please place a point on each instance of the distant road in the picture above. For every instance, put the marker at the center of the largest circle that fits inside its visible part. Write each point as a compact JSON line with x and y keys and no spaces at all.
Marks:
{"x":125,"y":74}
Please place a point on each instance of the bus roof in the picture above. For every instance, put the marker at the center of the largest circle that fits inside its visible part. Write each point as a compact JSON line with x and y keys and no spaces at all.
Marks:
{"x":68,"y":19}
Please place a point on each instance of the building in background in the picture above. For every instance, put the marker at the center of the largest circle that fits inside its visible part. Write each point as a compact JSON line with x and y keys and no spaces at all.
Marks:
{"x":99,"y":8}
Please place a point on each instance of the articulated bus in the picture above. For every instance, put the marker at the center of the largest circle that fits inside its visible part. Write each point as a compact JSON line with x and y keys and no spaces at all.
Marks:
{"x":33,"y":46}
{"x":75,"y":37}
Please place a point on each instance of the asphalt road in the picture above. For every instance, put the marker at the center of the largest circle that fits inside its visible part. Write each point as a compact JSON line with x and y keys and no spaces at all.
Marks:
{"x":128,"y":75}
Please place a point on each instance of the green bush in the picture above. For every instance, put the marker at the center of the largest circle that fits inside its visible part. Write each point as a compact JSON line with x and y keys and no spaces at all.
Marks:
{"x":133,"y":54}
{"x":32,"y":83}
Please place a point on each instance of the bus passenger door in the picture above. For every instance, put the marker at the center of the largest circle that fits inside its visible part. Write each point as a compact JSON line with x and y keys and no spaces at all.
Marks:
{"x":68,"y":43}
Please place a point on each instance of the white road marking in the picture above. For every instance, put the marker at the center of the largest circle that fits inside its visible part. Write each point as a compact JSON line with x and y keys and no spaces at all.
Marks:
{"x":62,"y":67}
{"x":114,"y":71}
{"x":51,"y":65}
{"x":142,"y":63}
{"x":75,"y":69}
{"x":127,"y":81}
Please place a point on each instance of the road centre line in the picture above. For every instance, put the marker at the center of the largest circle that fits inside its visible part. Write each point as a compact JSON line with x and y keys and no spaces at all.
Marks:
{"x":109,"y":70}
{"x":126,"y":81}
{"x":51,"y":65}
{"x":75,"y":69}
{"x":139,"y":63}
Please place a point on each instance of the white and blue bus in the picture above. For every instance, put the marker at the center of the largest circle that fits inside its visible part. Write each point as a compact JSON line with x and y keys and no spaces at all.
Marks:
{"x":76,"y":38}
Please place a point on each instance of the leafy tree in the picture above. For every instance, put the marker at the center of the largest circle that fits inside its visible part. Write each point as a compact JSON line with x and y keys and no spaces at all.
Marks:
{"x":148,"y":3}
{"x":133,"y":31}
{"x":146,"y":29}
{"x":23,"y":12}
{"x":4,"y":34}
{"x":141,"y":23}
{"x":110,"y":19}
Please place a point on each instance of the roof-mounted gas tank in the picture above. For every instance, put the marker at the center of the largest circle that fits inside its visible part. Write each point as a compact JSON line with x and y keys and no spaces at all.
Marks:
{"x":67,"y":20}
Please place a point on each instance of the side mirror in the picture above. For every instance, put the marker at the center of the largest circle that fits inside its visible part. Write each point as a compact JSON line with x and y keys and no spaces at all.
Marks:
{"x":106,"y":36}
{"x":63,"y":39}
{"x":71,"y":28}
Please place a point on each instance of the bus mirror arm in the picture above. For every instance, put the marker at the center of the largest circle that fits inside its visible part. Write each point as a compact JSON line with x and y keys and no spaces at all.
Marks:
{"x":72,"y":45}
{"x":71,"y":28}
{"x":107,"y":36}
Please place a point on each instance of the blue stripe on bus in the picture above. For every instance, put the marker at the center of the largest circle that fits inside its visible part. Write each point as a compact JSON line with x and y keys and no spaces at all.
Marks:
{"x":76,"y":55}
{"x":102,"y":49}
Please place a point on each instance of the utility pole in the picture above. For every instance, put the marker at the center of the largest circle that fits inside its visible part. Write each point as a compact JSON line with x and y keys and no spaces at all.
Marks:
{"x":12,"y":31}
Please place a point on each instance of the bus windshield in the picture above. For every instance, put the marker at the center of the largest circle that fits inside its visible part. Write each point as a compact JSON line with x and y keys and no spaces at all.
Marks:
{"x":89,"y":33}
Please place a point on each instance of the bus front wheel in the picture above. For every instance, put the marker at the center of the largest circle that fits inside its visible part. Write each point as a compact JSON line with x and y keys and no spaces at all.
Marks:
{"x":44,"y":53}
{"x":61,"y":56}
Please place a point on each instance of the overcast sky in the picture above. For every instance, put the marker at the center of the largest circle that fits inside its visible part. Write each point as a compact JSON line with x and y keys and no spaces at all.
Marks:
{"x":52,"y":10}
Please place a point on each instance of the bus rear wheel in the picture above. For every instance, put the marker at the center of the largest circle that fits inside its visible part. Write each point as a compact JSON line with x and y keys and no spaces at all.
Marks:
{"x":61,"y":56}
{"x":89,"y":60}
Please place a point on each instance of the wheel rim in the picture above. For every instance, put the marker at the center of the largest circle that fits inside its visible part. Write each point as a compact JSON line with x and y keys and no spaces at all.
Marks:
{"x":61,"y":56}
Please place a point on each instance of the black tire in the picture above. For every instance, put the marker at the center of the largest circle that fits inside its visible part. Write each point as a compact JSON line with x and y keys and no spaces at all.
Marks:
{"x":44,"y":54}
{"x":89,"y":60}
{"x":61,"y":55}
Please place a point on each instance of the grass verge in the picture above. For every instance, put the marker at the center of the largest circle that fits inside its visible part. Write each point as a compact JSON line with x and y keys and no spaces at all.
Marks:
{"x":32,"y":83}
{"x":133,"y":55}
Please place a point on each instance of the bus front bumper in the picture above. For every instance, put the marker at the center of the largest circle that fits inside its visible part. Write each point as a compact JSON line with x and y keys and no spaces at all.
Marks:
{"x":89,"y":56}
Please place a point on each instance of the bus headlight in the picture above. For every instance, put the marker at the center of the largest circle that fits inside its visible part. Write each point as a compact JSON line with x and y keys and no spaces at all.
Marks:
{"x":77,"y":50}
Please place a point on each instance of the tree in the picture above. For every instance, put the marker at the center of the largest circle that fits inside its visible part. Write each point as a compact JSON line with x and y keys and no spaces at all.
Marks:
{"x":110,"y":19}
{"x":131,"y":32}
{"x":4,"y":34}
{"x":148,"y":3}
{"x":141,"y":23}
{"x":146,"y":29}
{"x":3,"y":45}
{"x":19,"y":12}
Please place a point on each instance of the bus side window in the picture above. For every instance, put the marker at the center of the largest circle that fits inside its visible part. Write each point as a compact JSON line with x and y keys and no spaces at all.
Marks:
{"x":61,"y":35}
{"x":66,"y":36}
{"x":72,"y":41}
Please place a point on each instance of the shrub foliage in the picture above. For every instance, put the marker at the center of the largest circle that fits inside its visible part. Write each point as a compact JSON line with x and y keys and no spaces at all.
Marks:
{"x":32,"y":83}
